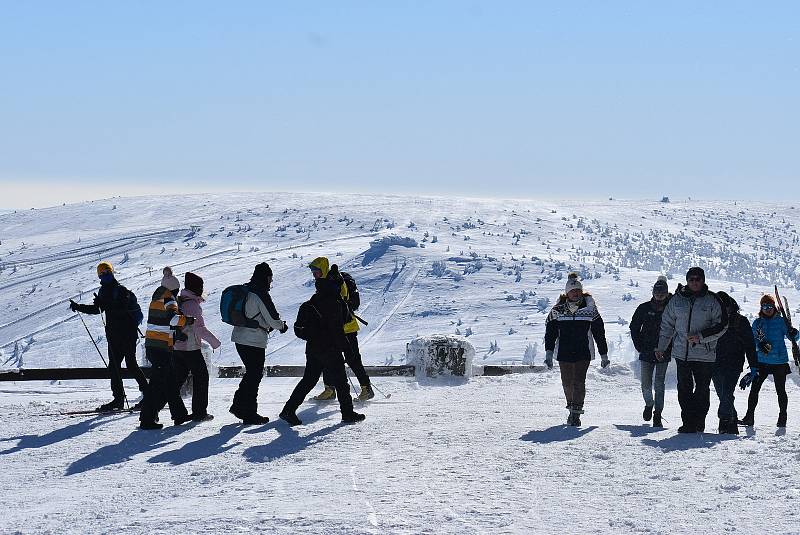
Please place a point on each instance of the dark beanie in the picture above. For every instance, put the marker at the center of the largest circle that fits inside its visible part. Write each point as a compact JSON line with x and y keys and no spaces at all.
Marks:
{"x":661,"y":286}
{"x":193,"y":283}
{"x":696,"y":272}
{"x":262,"y":271}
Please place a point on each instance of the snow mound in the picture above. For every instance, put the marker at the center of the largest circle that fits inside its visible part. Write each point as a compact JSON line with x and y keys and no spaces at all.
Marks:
{"x":378,"y":248}
{"x":441,"y":356}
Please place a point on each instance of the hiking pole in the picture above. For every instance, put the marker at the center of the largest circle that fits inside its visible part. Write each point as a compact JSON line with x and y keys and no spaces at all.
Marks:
{"x":386,"y":396}
{"x":352,"y":384}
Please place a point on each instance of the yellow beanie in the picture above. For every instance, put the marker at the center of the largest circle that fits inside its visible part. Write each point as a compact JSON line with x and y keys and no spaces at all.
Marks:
{"x":102,"y":267}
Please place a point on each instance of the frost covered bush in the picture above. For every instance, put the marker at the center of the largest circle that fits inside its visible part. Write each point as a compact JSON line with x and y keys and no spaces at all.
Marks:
{"x":439,"y":268}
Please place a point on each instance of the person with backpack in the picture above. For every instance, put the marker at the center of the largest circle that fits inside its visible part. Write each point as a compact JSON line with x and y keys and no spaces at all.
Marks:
{"x":572,"y":329}
{"x":164,"y":326}
{"x":645,"y":327}
{"x":732,"y":348}
{"x":692,"y":322}
{"x":188,"y":356}
{"x":770,"y":332}
{"x":352,"y":355}
{"x":123,"y":316}
{"x":320,"y":322}
{"x":250,"y":338}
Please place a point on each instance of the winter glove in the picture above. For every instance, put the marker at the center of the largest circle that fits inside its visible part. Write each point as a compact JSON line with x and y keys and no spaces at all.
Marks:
{"x":749,"y":378}
{"x":73,"y":306}
{"x":548,"y":359}
{"x":604,"y":361}
{"x":765,"y":347}
{"x":285,"y":328}
{"x":792,"y":334}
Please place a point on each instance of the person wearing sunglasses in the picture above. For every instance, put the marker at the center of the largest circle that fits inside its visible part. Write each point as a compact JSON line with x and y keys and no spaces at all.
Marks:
{"x":692,"y":322}
{"x":770,"y":332}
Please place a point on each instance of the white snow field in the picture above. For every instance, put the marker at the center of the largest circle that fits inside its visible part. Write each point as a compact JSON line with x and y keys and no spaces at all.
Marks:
{"x":489,"y":456}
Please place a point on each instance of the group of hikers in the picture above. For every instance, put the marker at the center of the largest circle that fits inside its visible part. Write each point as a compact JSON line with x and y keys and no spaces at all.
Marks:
{"x":176,"y":330}
{"x":701,"y":330}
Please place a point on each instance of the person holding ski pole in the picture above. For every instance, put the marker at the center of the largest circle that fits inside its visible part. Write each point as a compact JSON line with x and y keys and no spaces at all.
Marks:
{"x":123,"y":316}
{"x":188,"y":356}
{"x":320,"y":322}
{"x":770,"y":332}
{"x":732,"y":347}
{"x":164,"y":324}
{"x":251,"y":344}
{"x":352,"y":355}
{"x":692,"y":322}
{"x":572,"y":329}
{"x":645,"y":327}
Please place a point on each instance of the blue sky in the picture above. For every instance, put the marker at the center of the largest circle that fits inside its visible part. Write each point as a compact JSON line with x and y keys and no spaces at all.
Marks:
{"x":503,"y":99}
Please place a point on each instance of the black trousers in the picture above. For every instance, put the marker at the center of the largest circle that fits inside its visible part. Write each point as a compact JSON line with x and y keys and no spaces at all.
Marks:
{"x":778,"y":373}
{"x":245,"y":400}
{"x":193,"y":361}
{"x":694,"y":381}
{"x":163,"y":388}
{"x":352,"y":356}
{"x":123,"y":348}
{"x":332,"y":365}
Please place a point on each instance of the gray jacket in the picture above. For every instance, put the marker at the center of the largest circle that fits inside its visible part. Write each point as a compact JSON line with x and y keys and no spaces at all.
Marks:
{"x":688,"y":314}
{"x":255,"y":308}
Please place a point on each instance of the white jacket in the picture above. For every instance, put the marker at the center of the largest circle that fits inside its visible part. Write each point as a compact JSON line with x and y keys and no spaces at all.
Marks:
{"x":256,"y":309}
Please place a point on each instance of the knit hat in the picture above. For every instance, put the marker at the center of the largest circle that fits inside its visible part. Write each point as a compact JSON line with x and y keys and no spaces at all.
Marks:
{"x":661,"y":286}
{"x":766,"y":298}
{"x":696,"y":272}
{"x":573,"y":283}
{"x":262,"y":271}
{"x":193,"y":283}
{"x":169,"y":281}
{"x":102,"y":267}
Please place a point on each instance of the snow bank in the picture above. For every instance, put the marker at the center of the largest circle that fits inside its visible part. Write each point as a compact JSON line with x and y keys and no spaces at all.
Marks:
{"x":378,"y":248}
{"x":439,"y":356}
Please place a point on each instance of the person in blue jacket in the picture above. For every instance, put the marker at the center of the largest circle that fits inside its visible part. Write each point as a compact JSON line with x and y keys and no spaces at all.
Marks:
{"x":770,"y":332}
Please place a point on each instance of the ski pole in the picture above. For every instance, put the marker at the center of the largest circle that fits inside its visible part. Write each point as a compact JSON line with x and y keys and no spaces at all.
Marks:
{"x":352,"y":384}
{"x":386,"y":396}
{"x":92,"y":337}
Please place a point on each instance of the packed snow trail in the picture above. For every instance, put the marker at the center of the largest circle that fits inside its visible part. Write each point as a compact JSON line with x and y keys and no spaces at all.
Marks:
{"x":490,"y":456}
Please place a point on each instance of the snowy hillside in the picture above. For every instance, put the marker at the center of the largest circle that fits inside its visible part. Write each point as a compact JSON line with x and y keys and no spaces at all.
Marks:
{"x":487,"y":269}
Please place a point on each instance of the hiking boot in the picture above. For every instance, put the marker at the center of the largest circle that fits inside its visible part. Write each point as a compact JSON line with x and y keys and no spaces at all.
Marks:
{"x":647,"y":413}
{"x":289,"y":417}
{"x":329,"y":394}
{"x":150,"y":425}
{"x":748,"y":420}
{"x":255,"y":419}
{"x":113,"y":405}
{"x":366,"y":393}
{"x":182,"y":419}
{"x":236,"y":412}
{"x":657,"y":419}
{"x":782,"y":419}
{"x":202,"y":417}
{"x":733,"y":429}
{"x":687,"y":428}
{"x":353,"y":418}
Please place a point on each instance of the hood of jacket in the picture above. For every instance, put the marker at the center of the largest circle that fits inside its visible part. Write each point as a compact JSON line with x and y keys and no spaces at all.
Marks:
{"x":322,"y":264}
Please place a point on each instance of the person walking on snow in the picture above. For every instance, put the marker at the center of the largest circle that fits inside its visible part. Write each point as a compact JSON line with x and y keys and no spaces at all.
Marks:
{"x":645,"y":327}
{"x":320,"y":323}
{"x":123,"y":316}
{"x":251,"y":344}
{"x":188,"y":356}
{"x":732,"y":347}
{"x":164,"y":324}
{"x":572,"y":329}
{"x":692,"y":322}
{"x":352,"y":355}
{"x":770,"y":333}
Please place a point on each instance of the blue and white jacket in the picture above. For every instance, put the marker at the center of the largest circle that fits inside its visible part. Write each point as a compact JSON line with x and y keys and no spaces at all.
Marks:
{"x":774,"y":331}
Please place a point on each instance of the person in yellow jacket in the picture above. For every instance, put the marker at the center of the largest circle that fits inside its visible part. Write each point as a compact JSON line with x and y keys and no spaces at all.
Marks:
{"x":319,"y":269}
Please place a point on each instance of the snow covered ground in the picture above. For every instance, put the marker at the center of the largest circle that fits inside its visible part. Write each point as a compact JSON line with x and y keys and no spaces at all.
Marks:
{"x":491,"y":456}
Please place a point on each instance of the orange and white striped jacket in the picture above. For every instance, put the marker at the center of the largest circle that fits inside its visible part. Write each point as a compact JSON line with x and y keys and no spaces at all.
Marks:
{"x":163,"y":317}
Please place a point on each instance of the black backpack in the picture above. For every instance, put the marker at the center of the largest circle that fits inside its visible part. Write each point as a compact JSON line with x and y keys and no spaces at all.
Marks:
{"x":353,"y":298}
{"x":309,"y":322}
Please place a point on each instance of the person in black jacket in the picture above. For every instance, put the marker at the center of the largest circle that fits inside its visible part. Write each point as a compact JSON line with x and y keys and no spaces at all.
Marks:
{"x":645,"y":330}
{"x":735,"y":344}
{"x":119,"y":305}
{"x":572,"y":329}
{"x":320,"y":322}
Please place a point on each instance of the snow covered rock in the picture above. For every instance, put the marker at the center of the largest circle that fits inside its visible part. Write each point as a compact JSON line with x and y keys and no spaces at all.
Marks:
{"x":441,"y":355}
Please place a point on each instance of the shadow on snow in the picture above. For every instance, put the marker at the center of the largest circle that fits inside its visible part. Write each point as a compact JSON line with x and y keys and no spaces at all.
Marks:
{"x":639,"y":430}
{"x":688,"y":441}
{"x":55,"y":436}
{"x":200,"y":449}
{"x":557,"y":433}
